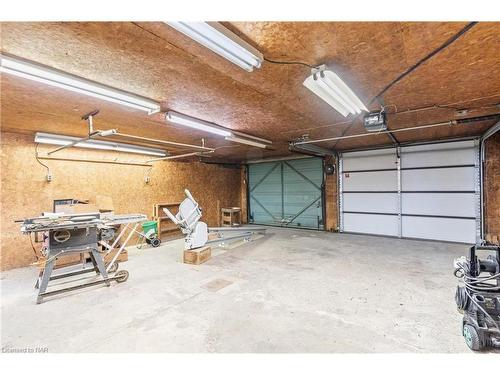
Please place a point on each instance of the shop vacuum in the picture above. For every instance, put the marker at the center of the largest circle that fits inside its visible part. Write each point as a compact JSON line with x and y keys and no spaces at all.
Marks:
{"x":478,"y":296}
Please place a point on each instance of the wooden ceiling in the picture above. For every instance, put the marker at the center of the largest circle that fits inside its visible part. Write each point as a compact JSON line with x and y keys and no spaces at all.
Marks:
{"x":154,"y":60}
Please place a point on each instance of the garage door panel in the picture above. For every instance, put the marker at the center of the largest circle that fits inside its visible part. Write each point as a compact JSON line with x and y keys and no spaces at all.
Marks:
{"x":443,"y":229}
{"x":287,"y":193}
{"x":440,"y":179}
{"x":370,"y":181}
{"x":444,"y":204}
{"x":371,"y":202}
{"x":386,"y":225}
{"x":310,"y":218}
{"x":458,"y":153}
{"x":265,"y":206}
{"x":272,"y":184}
{"x":438,"y":192}
{"x":386,"y":161}
{"x":296,"y":170}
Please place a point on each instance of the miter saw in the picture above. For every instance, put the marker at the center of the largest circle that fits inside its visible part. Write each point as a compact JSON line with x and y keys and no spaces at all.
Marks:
{"x":197,"y":232}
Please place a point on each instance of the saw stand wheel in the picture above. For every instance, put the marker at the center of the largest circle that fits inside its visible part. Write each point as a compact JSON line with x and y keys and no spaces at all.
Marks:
{"x":114,"y":268}
{"x":121,"y":276}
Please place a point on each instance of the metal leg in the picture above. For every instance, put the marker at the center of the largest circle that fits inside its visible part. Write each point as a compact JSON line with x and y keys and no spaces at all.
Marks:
{"x":37,"y":285}
{"x":49,"y":266}
{"x":94,"y":263}
{"x":97,"y":260}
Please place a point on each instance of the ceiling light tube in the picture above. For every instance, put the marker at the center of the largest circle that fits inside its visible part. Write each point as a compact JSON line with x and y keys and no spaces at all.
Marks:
{"x":56,"y":78}
{"x":180,"y":119}
{"x":172,"y":157}
{"x":62,"y":140}
{"x":263,"y":140}
{"x":246,"y":141}
{"x":221,"y":41}
{"x":329,"y":87}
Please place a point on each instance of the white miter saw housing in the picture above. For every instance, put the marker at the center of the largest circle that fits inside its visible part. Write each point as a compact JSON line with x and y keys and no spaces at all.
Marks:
{"x":188,"y":219}
{"x":196,"y":231}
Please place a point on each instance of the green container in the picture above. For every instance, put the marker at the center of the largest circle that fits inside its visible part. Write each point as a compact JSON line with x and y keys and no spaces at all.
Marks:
{"x":148,"y":225}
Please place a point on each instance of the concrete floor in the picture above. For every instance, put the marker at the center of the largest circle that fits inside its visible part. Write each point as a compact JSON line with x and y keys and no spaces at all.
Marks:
{"x":291,"y":291}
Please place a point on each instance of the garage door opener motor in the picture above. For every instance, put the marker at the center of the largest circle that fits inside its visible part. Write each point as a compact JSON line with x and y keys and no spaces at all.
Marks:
{"x":479,"y":297}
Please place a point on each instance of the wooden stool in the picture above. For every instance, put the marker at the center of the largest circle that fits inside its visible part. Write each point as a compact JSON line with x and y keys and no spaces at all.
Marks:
{"x":231,"y":217}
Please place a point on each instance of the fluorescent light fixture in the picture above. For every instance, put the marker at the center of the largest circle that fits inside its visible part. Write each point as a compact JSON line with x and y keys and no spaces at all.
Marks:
{"x":329,"y":87}
{"x":53,"y":77}
{"x":246,"y":141}
{"x":221,"y":41}
{"x":195,"y":123}
{"x":248,"y":136}
{"x":62,"y":140}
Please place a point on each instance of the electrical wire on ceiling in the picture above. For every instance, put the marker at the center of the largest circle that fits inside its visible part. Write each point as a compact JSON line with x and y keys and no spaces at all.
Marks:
{"x":288,"y":62}
{"x":397,"y":111}
{"x":440,"y":106}
{"x":452,"y":39}
{"x":378,"y":97}
{"x":412,"y":68}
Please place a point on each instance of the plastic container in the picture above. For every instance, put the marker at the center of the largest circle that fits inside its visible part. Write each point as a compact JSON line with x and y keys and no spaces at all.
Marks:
{"x":148,"y":225}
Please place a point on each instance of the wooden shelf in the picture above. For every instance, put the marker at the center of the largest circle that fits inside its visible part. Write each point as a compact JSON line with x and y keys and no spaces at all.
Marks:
{"x":167,"y":230}
{"x":165,"y":225}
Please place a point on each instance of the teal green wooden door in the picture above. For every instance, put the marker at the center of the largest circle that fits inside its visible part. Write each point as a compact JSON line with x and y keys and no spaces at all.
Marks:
{"x":287,"y":193}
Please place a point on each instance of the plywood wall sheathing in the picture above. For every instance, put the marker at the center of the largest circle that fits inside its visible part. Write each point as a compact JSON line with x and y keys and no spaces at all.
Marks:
{"x":492,"y":185}
{"x":331,"y":199}
{"x":26,"y":193}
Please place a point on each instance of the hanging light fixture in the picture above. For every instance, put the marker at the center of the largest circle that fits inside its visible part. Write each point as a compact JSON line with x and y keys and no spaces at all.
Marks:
{"x":41,"y":73}
{"x":246,"y":141}
{"x":221,"y":41}
{"x":329,"y":87}
{"x":180,"y":119}
{"x":209,"y":127}
{"x":63,"y":140}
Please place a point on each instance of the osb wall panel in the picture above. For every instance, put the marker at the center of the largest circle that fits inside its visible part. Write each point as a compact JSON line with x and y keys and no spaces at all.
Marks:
{"x":492,"y":185}
{"x":331,"y":198}
{"x":26,"y":193}
{"x":244,"y":195}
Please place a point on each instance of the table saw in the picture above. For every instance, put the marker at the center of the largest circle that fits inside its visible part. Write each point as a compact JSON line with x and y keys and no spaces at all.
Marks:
{"x":93,"y":233}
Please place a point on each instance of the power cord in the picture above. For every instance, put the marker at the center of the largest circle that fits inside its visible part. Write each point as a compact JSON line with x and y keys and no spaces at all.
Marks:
{"x":34,"y":250}
{"x":49,"y":175}
{"x":412,"y":68}
{"x":288,"y":62}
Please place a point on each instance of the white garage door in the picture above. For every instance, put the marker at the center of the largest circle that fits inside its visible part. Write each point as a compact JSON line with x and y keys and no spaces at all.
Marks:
{"x":430,"y":192}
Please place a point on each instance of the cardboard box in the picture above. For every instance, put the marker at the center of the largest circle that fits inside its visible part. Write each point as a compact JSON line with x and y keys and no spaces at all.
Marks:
{"x":123,"y":257}
{"x":62,"y":261}
{"x":104,"y":203}
{"x":197,"y":256}
{"x":77,"y":208}
{"x":67,"y":260}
